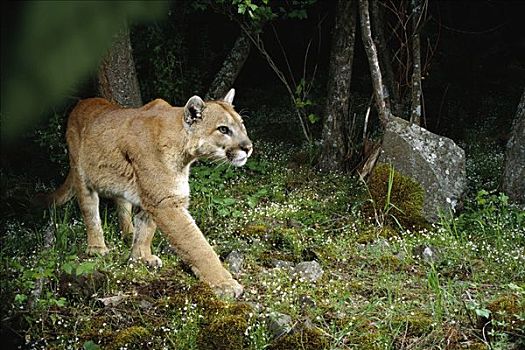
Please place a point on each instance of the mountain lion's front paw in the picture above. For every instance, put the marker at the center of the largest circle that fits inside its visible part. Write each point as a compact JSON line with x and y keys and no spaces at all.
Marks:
{"x":230,"y":288}
{"x":97,"y":250}
{"x":151,"y":260}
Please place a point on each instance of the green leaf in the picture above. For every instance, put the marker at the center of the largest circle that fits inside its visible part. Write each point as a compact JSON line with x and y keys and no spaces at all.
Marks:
{"x":85,"y":268}
{"x":515,"y":287}
{"x":312,"y":118}
{"x":229,"y":201}
{"x":20,"y":298}
{"x":90,"y":345}
{"x":60,"y":302}
{"x":482,"y":313}
{"x":68,"y":268}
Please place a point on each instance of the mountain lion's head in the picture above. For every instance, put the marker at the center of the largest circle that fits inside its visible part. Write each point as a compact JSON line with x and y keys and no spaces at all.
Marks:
{"x":216,"y":130}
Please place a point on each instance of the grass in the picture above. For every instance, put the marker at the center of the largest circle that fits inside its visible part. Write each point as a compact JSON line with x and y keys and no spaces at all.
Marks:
{"x":375,"y":293}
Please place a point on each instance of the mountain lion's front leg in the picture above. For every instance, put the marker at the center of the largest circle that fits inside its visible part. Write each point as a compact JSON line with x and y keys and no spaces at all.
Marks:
{"x":191,"y":245}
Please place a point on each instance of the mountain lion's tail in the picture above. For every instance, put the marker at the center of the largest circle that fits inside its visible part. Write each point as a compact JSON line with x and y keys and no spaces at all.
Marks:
{"x":60,"y":196}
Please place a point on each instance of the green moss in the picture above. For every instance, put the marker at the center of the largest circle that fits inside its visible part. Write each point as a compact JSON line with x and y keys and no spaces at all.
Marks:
{"x":373,"y":233}
{"x":268,"y":258}
{"x":131,"y":336}
{"x":224,"y":332}
{"x":405,"y":203}
{"x":508,"y":313}
{"x":478,"y":346}
{"x":369,"y":337}
{"x":391,"y":262}
{"x":224,"y":323}
{"x":304,"y":338}
{"x":415,"y":324}
{"x":253,"y":230}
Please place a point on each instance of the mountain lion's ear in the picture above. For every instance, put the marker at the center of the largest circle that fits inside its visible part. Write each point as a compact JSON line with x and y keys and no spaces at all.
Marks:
{"x":193,"y":110}
{"x":229,"y":97}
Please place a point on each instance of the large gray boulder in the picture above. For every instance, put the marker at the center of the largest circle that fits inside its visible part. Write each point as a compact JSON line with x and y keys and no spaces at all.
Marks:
{"x":434,"y":161}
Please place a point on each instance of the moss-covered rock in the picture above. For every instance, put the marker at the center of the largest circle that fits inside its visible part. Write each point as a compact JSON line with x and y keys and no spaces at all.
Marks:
{"x":373,"y":233}
{"x":254,"y":230}
{"x":508,"y":314}
{"x":305,"y":338}
{"x":224,"y":332}
{"x":395,"y":198}
{"x":416,"y":324}
{"x":131,"y":337}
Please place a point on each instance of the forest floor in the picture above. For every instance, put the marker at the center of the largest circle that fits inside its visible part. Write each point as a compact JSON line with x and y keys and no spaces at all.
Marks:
{"x":455,"y":284}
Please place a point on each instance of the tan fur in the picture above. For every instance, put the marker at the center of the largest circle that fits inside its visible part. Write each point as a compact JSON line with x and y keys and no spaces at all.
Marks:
{"x":142,"y":157}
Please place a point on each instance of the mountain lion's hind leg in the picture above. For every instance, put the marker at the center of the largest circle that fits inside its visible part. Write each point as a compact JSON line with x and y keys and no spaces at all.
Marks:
{"x":124,"y":210}
{"x":142,"y":236}
{"x":88,"y":202}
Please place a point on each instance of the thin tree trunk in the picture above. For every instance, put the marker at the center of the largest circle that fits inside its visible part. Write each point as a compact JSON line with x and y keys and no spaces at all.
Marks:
{"x":415,"y":106}
{"x":385,"y":60}
{"x":514,"y":172}
{"x":118,"y":82}
{"x":335,"y":137}
{"x":375,"y":71}
{"x":231,"y":68}
{"x":117,"y":78}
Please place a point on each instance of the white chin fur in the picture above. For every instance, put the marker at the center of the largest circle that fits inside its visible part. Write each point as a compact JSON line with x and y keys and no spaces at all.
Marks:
{"x":239,"y":161}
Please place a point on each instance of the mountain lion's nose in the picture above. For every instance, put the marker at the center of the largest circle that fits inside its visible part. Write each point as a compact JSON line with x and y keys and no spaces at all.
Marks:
{"x":246,"y":146}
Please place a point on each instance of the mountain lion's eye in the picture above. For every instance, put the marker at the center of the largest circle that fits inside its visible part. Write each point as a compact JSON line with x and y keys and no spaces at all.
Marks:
{"x":224,"y":130}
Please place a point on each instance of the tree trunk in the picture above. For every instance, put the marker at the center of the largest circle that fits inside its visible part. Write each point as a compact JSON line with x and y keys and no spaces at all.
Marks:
{"x":118,"y":82}
{"x":375,"y":71}
{"x":415,"y":105}
{"x":335,"y":136}
{"x":231,"y":68}
{"x":514,"y":172}
{"x":385,"y":60}
{"x":117,"y":78}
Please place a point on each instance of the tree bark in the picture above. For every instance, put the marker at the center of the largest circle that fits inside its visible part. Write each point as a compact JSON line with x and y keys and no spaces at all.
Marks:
{"x":118,"y":82}
{"x":415,"y":106}
{"x":117,"y":78}
{"x":231,"y":68}
{"x":385,"y":60}
{"x":335,"y":137}
{"x":514,"y":172}
{"x":375,"y":71}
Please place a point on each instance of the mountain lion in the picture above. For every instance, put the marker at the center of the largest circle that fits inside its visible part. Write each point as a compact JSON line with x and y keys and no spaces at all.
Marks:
{"x":141,"y":157}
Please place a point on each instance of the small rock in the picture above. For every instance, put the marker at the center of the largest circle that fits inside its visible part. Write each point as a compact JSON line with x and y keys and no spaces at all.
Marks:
{"x":282,"y":264}
{"x":306,"y":302}
{"x":293,"y":223}
{"x":278,"y":324}
{"x":113,"y":300}
{"x":309,"y":270}
{"x":400,"y":255}
{"x":308,"y":324}
{"x":256,"y":307}
{"x":382,"y":244}
{"x":235,"y":260}
{"x":145,"y":305}
{"x":428,"y":253}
